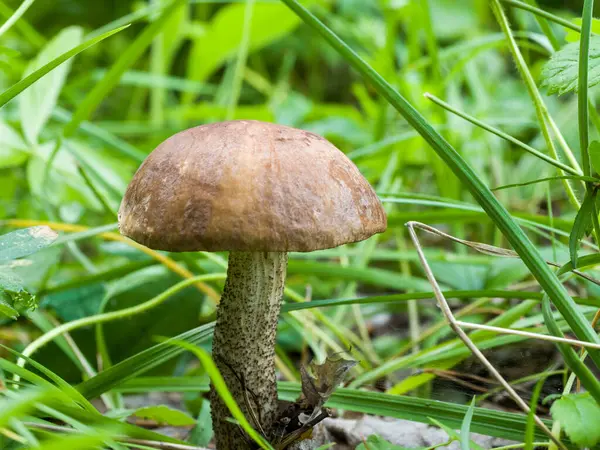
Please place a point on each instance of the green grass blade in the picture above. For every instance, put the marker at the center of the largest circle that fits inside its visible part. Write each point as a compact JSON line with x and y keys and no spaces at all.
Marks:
{"x":60,"y":383}
{"x":141,"y":362}
{"x":16,"y":16}
{"x":582,"y":91}
{"x":533,"y":403}
{"x":223,"y":391}
{"x":465,"y":427}
{"x":582,"y":222}
{"x":501,"y":134}
{"x":585,"y":375}
{"x":486,"y":421}
{"x":541,"y":180}
{"x":499,"y":215}
{"x":544,"y":14}
{"x":20,"y":86}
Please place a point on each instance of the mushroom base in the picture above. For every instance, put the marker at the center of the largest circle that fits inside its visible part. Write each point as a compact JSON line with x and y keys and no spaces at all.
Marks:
{"x":244,"y":343}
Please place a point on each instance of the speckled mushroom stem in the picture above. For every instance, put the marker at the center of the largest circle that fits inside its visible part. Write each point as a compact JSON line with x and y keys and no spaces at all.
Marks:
{"x":244,"y":342}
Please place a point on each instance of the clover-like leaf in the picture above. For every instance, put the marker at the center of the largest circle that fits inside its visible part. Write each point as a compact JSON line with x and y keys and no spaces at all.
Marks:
{"x":579,"y":415}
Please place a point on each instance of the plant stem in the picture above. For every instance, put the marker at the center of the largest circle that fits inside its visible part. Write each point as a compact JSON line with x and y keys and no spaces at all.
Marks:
{"x":244,"y":343}
{"x":540,"y":108}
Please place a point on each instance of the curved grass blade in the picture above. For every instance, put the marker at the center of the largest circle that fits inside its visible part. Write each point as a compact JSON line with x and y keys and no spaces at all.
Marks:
{"x":501,"y":134}
{"x":544,"y":14}
{"x":60,"y":383}
{"x":16,"y":16}
{"x":221,"y":387}
{"x":541,"y":180}
{"x":494,"y":209}
{"x":20,"y":86}
{"x":142,"y":362}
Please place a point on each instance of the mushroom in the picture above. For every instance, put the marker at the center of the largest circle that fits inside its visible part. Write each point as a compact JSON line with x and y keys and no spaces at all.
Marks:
{"x":257,"y":190}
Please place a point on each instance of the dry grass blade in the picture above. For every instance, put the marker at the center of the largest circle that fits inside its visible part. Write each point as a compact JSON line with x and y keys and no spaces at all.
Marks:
{"x":491,"y":250}
{"x":447,"y":312}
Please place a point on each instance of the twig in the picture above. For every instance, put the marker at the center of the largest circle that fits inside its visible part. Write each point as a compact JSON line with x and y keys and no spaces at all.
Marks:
{"x":543,"y":337}
{"x":443,"y":304}
{"x":491,"y":250}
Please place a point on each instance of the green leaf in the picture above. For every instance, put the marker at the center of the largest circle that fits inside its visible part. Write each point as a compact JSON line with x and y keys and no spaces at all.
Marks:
{"x":594,"y":151}
{"x":579,"y":416}
{"x":589,"y":381}
{"x":164,"y":415}
{"x":90,"y":441}
{"x":7,"y":309}
{"x":13,"y":151}
{"x":203,"y":431}
{"x":582,"y":223}
{"x":64,"y":183}
{"x":573,"y":35}
{"x":37,"y":103}
{"x":560,"y":74}
{"x":270,"y":21}
{"x":466,"y":427}
{"x":25,"y":402}
{"x":541,"y":180}
{"x":25,"y":242}
{"x":19,"y":87}
{"x":375,"y":442}
{"x":89,"y":104}
{"x":15,"y":298}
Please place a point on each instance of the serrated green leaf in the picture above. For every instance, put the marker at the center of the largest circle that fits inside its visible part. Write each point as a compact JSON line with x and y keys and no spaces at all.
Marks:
{"x":164,"y":415}
{"x":37,"y":103}
{"x":594,"y":151}
{"x":579,"y":416}
{"x":582,"y":223}
{"x":25,"y":242}
{"x":375,"y":442}
{"x":560,"y":74}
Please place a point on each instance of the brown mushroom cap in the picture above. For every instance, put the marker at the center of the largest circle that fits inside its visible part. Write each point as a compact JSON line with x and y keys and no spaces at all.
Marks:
{"x":248,"y":186}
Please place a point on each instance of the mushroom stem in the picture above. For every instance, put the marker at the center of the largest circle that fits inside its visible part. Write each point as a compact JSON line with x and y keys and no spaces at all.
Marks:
{"x":244,"y":342}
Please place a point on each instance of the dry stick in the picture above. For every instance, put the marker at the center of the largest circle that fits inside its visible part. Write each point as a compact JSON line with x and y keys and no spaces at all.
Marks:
{"x":443,"y":304}
{"x":491,"y":250}
{"x":497,"y":251}
{"x":125,"y":440}
{"x":544,"y":337}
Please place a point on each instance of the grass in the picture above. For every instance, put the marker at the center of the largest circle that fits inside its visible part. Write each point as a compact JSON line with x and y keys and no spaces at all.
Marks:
{"x":436,"y":105}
